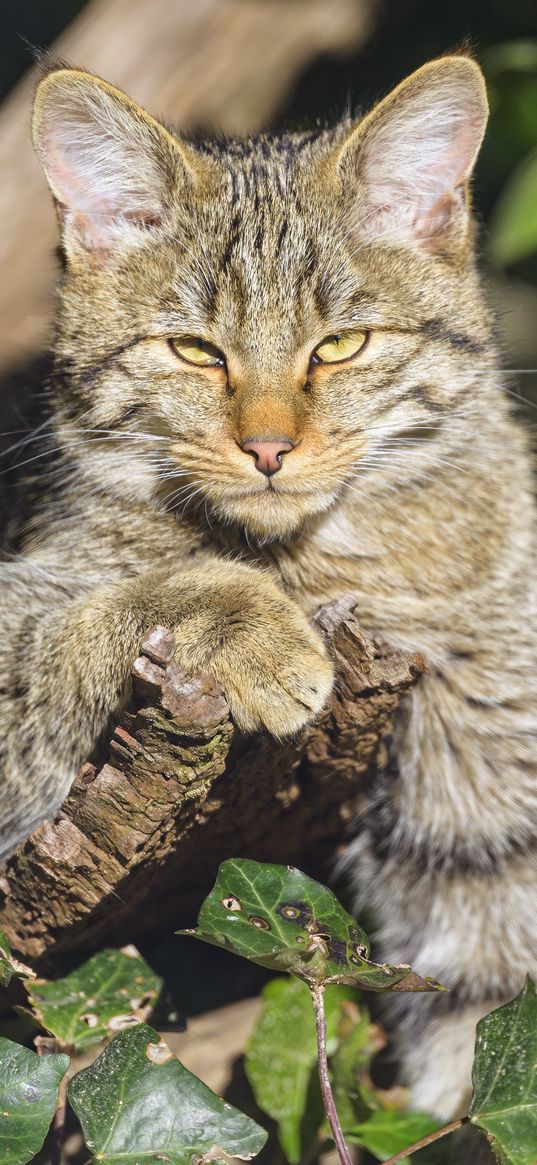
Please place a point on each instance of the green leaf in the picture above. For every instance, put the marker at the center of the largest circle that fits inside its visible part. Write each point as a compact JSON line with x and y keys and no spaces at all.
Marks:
{"x":137,"y":1104}
{"x":113,"y":990}
{"x":280,"y":918}
{"x":514,"y":223}
{"x":290,"y":1091}
{"x":504,"y":1102}
{"x":387,"y":1133}
{"x":9,"y":967}
{"x":28,"y":1092}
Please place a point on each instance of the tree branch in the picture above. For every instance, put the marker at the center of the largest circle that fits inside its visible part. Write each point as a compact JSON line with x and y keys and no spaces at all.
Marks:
{"x":138,"y":840}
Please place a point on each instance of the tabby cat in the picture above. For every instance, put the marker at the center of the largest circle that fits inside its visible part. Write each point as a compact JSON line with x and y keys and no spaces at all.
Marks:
{"x":276,"y":381}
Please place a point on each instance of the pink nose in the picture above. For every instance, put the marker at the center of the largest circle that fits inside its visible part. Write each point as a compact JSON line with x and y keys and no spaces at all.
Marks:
{"x":268,"y":454}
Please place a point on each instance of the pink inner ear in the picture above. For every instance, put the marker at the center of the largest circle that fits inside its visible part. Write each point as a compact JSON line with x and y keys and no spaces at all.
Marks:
{"x":144,"y":218}
{"x":439,"y":207}
{"x":70,"y":187}
{"x":423,"y":197}
{"x":87,"y":210}
{"x":433,"y":223}
{"x":414,"y":158}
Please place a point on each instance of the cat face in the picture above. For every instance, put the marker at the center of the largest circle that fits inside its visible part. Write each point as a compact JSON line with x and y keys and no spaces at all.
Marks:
{"x":258,"y":328}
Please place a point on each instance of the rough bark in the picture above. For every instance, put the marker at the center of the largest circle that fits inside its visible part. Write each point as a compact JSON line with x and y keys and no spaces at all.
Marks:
{"x":137,"y":843}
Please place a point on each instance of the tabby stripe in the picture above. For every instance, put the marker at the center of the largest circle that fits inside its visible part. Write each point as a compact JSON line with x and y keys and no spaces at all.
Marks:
{"x":124,"y":415}
{"x":428,"y":856}
{"x":422,"y":394}
{"x":233,"y":239}
{"x":436,"y":329}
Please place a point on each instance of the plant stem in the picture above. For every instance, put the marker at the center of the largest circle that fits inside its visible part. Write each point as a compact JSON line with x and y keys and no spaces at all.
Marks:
{"x":317,"y":995}
{"x":427,"y":1141}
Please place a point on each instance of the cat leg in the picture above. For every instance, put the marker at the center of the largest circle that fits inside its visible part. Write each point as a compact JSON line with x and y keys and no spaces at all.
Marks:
{"x":445,"y":859}
{"x":435,"y":1040}
{"x":66,"y":666}
{"x":436,"y":1048}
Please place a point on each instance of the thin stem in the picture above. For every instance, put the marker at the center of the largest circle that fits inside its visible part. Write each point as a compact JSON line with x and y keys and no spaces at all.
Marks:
{"x":317,"y":995}
{"x":427,"y":1141}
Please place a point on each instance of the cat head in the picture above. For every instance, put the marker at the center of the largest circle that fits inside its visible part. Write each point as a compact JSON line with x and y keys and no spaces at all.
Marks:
{"x":251,"y":326}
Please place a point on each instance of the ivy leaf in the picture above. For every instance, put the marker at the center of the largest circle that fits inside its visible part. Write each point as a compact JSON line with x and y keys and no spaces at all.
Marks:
{"x":290,"y":1091}
{"x":9,"y":967}
{"x":279,"y":917}
{"x":137,"y":1104}
{"x":111,"y":991}
{"x":28,"y":1093}
{"x":387,"y":1133}
{"x":504,"y":1102}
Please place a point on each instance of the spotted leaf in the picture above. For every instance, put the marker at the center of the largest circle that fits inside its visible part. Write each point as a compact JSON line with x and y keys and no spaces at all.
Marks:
{"x":111,"y":991}
{"x":279,"y":917}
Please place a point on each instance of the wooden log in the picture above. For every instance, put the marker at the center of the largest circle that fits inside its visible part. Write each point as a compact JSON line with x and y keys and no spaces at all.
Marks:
{"x":137,"y":843}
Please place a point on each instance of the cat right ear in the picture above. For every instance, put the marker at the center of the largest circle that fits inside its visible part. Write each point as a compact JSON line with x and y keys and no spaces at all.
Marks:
{"x":111,"y":167}
{"x":406,"y":166}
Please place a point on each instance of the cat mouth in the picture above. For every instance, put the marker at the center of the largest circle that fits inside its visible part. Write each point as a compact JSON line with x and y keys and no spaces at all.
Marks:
{"x":271,"y":489}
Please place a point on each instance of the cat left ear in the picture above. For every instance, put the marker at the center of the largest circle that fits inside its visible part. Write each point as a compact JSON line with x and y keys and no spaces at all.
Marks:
{"x":111,"y":167}
{"x":409,"y":161}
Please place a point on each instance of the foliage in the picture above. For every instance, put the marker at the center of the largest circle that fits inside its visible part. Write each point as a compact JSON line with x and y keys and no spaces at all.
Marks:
{"x":138,"y":1103}
{"x":29,"y":1087}
{"x":113,"y":990}
{"x":290,"y":1092}
{"x":280,"y":918}
{"x":385,"y":1132}
{"x":264,"y":913}
{"x":504,"y":1102}
{"x":10,"y":968}
{"x":514,"y":224}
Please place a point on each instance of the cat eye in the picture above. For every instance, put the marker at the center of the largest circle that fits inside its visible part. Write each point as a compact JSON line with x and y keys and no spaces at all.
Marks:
{"x":335,"y":349}
{"x":196,"y":351}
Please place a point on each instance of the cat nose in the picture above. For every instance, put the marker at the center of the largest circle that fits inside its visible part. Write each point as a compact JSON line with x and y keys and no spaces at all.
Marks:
{"x":268,"y":454}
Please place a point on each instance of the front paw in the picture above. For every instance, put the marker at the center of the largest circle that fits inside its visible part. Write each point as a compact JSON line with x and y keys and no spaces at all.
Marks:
{"x":272,"y":665}
{"x":279,"y":685}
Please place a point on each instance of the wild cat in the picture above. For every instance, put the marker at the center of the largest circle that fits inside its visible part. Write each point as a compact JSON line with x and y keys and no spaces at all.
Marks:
{"x":276,"y":381}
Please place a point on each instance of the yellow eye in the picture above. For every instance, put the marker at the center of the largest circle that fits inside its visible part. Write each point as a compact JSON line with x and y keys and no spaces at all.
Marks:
{"x":335,"y":349}
{"x":199,"y":352}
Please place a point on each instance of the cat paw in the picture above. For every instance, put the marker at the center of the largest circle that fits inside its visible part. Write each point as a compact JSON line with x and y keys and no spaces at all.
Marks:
{"x":281,"y":692}
{"x":251,"y":638}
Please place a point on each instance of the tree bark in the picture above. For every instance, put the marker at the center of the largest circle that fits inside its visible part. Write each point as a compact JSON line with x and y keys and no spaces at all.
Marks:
{"x":137,"y":843}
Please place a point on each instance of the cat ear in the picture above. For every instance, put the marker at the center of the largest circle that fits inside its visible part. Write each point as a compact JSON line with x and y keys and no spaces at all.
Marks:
{"x":111,"y":167}
{"x":410,"y":159}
